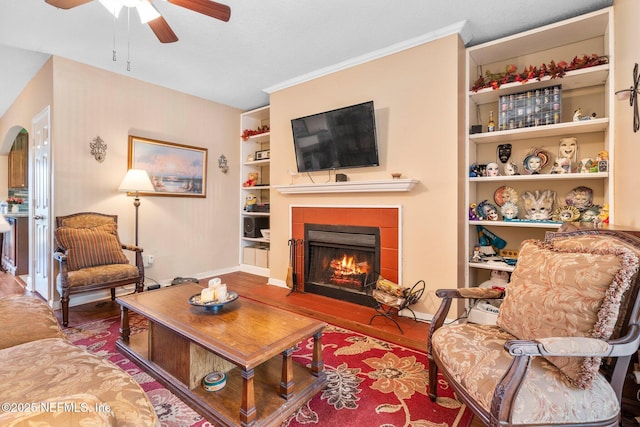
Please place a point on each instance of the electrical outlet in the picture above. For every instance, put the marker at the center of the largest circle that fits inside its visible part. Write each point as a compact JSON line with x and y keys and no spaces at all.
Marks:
{"x":148,"y":260}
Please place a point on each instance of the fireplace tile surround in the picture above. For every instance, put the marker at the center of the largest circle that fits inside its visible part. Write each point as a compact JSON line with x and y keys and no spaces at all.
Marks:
{"x":386,"y":218}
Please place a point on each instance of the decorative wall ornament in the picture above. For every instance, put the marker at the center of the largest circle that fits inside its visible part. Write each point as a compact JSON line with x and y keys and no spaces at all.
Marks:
{"x":632,"y":95}
{"x":98,"y":149}
{"x":222,"y":163}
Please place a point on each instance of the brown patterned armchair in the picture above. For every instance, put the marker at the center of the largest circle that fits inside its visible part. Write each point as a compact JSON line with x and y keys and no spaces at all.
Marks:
{"x":91,"y":257}
{"x":565,"y":335}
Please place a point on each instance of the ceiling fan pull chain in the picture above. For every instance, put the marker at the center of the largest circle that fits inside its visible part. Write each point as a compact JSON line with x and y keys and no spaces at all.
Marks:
{"x":114,"y":38}
{"x":128,"y":38}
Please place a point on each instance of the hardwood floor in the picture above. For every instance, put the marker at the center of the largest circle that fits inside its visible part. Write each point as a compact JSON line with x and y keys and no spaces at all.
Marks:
{"x":344,"y":314}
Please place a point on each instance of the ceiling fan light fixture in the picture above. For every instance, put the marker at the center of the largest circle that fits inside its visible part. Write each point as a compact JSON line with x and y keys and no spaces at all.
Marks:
{"x":147,"y":11}
{"x":113,"y":6}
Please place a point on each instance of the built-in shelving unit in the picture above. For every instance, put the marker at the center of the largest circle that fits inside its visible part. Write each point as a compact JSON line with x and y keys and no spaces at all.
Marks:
{"x":254,"y":248}
{"x":590,"y":89}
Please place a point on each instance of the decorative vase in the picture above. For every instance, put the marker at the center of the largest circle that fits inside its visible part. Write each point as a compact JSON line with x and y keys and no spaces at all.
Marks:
{"x":15,"y":208}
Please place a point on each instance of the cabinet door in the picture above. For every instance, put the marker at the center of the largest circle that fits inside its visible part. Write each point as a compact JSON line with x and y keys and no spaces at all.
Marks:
{"x":18,"y":162}
{"x":8,"y":244}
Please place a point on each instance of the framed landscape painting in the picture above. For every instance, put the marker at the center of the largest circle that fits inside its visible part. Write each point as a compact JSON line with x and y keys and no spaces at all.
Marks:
{"x":175,"y":169}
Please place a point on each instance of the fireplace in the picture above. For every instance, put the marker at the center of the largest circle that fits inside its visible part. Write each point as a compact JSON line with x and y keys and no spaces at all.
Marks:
{"x":339,"y":261}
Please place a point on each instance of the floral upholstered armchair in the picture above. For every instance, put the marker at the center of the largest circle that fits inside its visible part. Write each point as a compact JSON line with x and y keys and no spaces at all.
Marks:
{"x":91,"y":257}
{"x":564,"y":337}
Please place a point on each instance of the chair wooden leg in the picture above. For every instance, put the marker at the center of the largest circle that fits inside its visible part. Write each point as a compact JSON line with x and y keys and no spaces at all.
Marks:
{"x":433,"y":379}
{"x":113,"y":294}
{"x":65,"y":311}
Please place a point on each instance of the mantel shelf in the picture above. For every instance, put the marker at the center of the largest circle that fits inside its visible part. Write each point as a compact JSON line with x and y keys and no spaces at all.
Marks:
{"x":349,"y":187}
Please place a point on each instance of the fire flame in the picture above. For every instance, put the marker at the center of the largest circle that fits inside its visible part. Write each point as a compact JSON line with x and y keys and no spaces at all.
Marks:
{"x":347,"y":265}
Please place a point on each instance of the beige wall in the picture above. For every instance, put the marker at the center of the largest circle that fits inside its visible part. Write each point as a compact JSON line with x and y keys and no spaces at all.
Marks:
{"x":419,"y":134}
{"x":627,"y":143}
{"x":188,"y":236}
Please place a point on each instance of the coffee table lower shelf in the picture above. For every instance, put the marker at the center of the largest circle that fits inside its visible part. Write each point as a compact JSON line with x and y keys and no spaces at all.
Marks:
{"x":223,"y":406}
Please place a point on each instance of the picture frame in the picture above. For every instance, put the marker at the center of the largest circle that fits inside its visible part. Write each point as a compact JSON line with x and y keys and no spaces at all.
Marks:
{"x":175,"y":169}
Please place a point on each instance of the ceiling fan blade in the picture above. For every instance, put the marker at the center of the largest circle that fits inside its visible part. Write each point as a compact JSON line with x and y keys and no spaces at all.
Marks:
{"x":162,"y":30}
{"x":206,"y":7}
{"x":67,"y":4}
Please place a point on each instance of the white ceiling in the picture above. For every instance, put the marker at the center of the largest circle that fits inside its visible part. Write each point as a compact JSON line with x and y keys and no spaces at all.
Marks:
{"x":265,"y":43}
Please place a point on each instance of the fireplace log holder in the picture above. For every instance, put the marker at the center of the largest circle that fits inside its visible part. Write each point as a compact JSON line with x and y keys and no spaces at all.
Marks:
{"x":389,"y":301}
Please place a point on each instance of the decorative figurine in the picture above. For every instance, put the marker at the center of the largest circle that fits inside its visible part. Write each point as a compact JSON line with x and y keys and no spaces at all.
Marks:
{"x":585,"y":165}
{"x":532,"y":164}
{"x":580,"y":197}
{"x":252,"y":179}
{"x":566,"y":214}
{"x":603,"y":216}
{"x":487,"y":211}
{"x":498,"y":280}
{"x":509,"y":210}
{"x":590,"y":214}
{"x":473,"y":216}
{"x":510,"y":169}
{"x":492,"y":169}
{"x":578,"y":117}
{"x":505,"y":194}
{"x":603,"y":161}
{"x":567,"y":155}
{"x":539,"y":204}
{"x":250,"y":200}
{"x":476,"y":254}
{"x":504,"y":153}
{"x":475,"y":170}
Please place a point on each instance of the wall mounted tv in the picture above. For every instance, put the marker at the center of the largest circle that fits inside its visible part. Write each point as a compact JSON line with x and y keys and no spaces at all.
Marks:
{"x":336,"y":139}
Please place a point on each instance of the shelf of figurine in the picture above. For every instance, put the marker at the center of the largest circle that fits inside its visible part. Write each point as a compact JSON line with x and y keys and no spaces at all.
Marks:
{"x":539,"y":208}
{"x":538,"y":162}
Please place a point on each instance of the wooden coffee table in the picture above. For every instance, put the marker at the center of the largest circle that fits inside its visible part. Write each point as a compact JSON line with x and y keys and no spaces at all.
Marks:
{"x":252,"y":342}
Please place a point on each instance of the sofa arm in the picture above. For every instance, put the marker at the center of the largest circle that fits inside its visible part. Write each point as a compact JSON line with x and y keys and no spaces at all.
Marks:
{"x":132,"y":248}
{"x":560,"y":346}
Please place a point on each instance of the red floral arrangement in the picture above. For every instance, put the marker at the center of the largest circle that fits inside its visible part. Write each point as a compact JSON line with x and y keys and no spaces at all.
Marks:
{"x":15,"y":200}
{"x":248,"y":133}
{"x":552,"y":69}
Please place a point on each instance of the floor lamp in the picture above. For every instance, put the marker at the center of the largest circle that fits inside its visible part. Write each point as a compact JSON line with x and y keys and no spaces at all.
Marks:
{"x":135,"y":181}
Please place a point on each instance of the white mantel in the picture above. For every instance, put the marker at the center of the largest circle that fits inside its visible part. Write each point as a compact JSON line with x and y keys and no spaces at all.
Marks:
{"x":388,"y":185}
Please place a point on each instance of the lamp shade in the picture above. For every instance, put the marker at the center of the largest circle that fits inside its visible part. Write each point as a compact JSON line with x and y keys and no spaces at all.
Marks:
{"x":136,"y":180}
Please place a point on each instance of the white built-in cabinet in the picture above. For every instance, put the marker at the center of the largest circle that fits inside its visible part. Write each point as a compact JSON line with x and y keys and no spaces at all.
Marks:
{"x":255,"y":157}
{"x":590,"y":89}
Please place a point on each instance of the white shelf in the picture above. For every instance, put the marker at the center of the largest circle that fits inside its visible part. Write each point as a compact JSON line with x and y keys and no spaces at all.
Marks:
{"x":560,"y":129}
{"x":393,"y":185}
{"x":257,"y":187}
{"x":245,"y":213}
{"x":500,"y":266}
{"x":542,"y":177}
{"x":575,"y":79}
{"x":259,"y":137}
{"x":257,"y":162}
{"x":522,"y":224}
{"x":256,"y":239}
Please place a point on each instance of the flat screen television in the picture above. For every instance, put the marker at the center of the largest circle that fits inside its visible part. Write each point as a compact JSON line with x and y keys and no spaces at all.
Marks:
{"x":336,"y":139}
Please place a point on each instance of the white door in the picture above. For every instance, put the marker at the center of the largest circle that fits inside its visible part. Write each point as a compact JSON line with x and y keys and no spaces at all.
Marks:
{"x":40,"y":247}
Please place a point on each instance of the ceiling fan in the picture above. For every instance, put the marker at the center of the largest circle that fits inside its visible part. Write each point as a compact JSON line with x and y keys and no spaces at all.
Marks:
{"x":150,"y":15}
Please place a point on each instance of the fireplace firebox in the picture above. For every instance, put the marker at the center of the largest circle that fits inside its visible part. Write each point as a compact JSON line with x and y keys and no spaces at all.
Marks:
{"x":340,"y":261}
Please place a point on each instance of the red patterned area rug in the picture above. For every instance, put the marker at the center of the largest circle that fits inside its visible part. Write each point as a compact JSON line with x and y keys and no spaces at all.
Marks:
{"x":370,"y":382}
